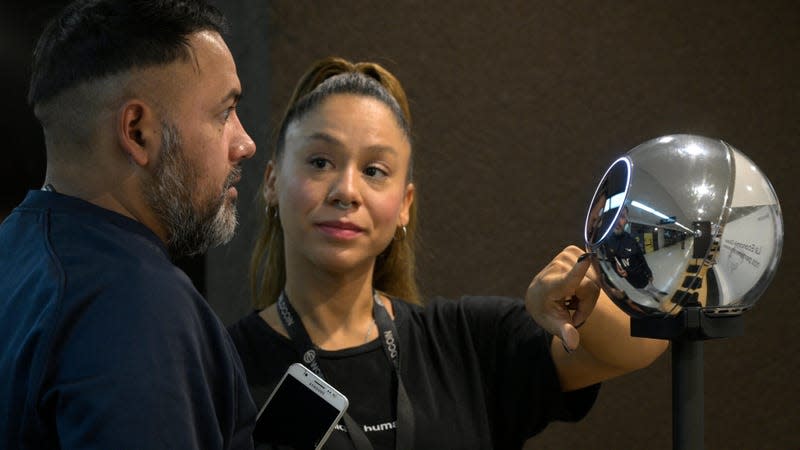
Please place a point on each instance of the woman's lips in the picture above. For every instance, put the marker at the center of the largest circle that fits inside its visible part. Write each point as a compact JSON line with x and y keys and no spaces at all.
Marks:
{"x":339,"y":230}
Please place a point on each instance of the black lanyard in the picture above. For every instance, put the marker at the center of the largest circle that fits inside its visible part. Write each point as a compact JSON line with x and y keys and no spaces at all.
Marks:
{"x":389,"y":338}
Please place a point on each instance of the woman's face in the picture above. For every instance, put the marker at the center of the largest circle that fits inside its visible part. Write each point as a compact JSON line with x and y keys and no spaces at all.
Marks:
{"x":349,"y":150}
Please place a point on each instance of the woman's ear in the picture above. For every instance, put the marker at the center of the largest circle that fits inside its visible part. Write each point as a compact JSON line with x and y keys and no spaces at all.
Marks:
{"x":270,"y":184}
{"x":408,"y":199}
{"x":138,"y":132}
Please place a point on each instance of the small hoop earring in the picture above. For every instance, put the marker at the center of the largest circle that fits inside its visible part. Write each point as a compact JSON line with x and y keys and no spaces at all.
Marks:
{"x":274,"y":213}
{"x":404,"y":235}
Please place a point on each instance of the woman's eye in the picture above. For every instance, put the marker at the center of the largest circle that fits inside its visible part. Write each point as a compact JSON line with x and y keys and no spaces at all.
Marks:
{"x":319,"y":163}
{"x":373,"y":171}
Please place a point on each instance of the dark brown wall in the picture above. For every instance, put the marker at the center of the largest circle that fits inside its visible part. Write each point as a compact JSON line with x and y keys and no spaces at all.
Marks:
{"x":520,"y":106}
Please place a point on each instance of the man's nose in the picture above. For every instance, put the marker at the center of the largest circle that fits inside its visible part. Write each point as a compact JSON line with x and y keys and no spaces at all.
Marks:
{"x":243,"y":147}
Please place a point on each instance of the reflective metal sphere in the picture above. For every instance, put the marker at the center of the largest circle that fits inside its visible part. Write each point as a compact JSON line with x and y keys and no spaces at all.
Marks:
{"x":684,"y":220}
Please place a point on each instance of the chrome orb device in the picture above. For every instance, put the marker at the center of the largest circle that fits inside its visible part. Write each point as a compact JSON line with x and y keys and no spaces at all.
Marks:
{"x":684,"y":220}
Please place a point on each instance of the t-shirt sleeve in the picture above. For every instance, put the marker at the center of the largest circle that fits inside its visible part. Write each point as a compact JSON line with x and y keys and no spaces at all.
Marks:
{"x":522,"y":388}
{"x":152,"y":371}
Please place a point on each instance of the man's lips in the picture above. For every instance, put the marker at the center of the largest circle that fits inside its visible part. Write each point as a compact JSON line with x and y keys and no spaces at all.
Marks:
{"x":230,"y":183}
{"x":234,"y":177}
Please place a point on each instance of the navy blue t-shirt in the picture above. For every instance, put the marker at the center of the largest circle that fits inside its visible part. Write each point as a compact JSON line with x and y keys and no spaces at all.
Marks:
{"x":104,"y":342}
{"x":625,"y":251}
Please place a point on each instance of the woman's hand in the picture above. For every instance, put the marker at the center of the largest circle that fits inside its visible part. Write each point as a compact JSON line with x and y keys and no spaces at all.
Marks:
{"x":561,"y":296}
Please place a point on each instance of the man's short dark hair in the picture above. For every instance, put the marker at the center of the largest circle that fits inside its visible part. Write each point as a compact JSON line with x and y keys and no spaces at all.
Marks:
{"x":93,"y":39}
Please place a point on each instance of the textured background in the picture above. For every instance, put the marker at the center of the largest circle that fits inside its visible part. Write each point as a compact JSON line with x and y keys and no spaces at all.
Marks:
{"x":518,"y":109}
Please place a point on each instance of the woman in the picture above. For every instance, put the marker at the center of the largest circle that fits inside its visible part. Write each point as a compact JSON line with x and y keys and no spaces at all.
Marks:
{"x":333,"y":272}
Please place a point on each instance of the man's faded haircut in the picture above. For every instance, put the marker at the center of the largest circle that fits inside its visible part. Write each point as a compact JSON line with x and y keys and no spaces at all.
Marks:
{"x":95,"y":39}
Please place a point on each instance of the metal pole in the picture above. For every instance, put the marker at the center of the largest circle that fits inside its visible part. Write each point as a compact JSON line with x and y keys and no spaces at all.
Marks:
{"x":687,"y":394}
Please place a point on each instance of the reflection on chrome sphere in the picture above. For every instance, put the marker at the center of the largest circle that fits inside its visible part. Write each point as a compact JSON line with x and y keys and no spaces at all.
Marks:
{"x":684,"y":220}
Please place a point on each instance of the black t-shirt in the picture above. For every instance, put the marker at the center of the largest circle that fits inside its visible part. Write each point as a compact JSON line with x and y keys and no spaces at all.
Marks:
{"x":478,"y":373}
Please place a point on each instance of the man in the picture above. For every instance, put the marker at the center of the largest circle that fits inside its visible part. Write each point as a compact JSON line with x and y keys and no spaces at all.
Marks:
{"x":629,"y":259}
{"x":104,"y":343}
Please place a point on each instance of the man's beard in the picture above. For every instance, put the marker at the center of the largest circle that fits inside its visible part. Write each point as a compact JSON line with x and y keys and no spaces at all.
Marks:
{"x":190,"y":230}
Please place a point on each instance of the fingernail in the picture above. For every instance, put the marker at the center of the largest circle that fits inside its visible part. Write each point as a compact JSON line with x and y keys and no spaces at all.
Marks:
{"x":584,"y":256}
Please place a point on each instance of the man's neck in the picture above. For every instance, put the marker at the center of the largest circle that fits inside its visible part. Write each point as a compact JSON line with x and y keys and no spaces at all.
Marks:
{"x":121,"y":195}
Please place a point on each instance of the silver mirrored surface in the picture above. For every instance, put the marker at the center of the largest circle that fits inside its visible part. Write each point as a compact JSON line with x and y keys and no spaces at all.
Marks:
{"x":684,"y":220}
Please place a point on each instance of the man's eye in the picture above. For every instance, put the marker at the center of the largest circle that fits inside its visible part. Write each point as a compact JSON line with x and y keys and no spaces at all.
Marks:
{"x":227,"y":113}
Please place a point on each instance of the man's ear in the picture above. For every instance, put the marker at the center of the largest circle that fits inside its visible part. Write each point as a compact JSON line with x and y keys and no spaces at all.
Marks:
{"x":138,"y":132}
{"x":270,"y":184}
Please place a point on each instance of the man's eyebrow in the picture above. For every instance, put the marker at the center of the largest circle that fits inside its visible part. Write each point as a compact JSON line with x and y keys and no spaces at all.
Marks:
{"x":234,"y":94}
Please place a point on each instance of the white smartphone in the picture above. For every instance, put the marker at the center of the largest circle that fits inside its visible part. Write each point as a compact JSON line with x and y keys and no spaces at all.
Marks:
{"x":301,"y":412}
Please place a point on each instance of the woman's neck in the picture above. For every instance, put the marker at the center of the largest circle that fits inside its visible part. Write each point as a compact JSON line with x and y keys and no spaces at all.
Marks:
{"x":336,"y":311}
{"x":326,"y":299}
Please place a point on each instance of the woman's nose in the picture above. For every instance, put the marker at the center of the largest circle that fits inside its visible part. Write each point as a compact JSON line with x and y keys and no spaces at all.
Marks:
{"x":344,"y":189}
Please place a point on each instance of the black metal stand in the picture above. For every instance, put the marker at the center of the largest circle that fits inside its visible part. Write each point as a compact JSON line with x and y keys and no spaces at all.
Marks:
{"x":687,"y":330}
